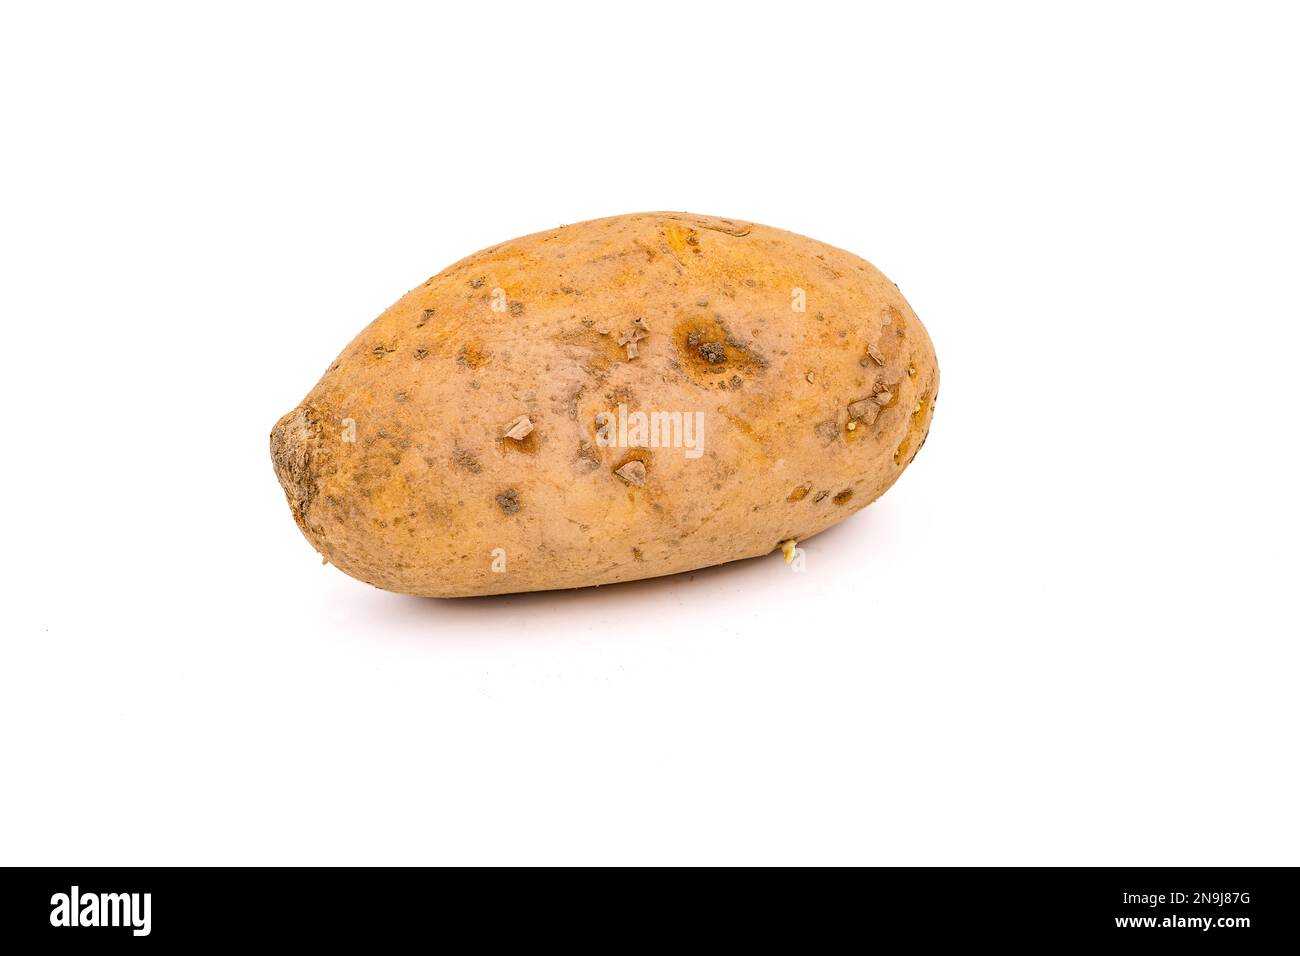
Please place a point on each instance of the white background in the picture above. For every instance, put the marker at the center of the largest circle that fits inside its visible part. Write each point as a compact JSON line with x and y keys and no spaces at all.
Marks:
{"x":1067,"y":636}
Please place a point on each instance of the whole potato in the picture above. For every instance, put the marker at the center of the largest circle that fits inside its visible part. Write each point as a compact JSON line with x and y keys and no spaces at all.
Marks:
{"x":612,"y":400}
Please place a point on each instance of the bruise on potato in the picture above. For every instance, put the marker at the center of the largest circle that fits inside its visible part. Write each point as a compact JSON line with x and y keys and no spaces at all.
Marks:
{"x":711,"y":354}
{"x":808,"y":416}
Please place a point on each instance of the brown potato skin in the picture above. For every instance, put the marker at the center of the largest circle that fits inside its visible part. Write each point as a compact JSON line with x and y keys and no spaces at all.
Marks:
{"x":429,"y":486}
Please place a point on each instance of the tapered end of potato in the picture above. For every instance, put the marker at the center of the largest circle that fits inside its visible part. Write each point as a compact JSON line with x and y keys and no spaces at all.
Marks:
{"x":295,"y":441}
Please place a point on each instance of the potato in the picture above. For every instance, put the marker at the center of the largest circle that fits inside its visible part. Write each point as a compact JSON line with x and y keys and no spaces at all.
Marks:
{"x":618,"y":399}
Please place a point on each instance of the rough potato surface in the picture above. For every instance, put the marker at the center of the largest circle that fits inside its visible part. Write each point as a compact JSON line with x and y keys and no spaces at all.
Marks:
{"x":452,"y":449}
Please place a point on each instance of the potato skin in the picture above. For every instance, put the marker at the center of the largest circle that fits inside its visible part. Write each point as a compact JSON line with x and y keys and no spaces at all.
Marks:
{"x":397,"y":468}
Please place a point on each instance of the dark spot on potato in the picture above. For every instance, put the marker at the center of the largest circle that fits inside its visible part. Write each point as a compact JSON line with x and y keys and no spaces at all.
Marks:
{"x":509,"y":501}
{"x":800,"y":493}
{"x":473,"y":355}
{"x":828,"y":431}
{"x":706,"y":347}
{"x":528,"y":445}
{"x":713,"y":352}
{"x":843,"y":497}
